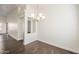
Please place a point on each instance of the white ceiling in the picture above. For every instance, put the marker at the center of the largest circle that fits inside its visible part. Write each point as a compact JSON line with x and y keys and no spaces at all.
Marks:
{"x":6,"y":8}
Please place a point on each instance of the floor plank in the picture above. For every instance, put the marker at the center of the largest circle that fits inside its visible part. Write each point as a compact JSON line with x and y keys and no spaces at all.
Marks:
{"x":38,"y":47}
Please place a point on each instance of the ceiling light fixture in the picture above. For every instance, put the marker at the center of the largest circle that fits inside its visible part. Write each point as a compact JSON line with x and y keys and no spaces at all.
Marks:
{"x":37,"y":16}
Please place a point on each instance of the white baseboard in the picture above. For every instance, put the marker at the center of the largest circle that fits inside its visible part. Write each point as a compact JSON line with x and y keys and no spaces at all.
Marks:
{"x":66,"y":48}
{"x":69,"y":49}
{"x":28,"y":41}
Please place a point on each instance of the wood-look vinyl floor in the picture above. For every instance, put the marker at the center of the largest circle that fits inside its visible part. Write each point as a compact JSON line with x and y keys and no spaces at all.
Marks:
{"x":13,"y":46}
{"x":38,"y":47}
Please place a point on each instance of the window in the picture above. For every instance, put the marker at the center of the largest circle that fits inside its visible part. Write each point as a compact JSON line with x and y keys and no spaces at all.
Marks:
{"x":31,"y":26}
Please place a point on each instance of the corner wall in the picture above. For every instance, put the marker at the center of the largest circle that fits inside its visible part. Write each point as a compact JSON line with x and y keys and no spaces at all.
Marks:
{"x":60,"y":28}
{"x":29,"y":37}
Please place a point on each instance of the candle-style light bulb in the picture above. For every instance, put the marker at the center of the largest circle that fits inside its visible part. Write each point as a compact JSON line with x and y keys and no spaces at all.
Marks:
{"x":43,"y":17}
{"x":32,"y":15}
{"x":40,"y":14}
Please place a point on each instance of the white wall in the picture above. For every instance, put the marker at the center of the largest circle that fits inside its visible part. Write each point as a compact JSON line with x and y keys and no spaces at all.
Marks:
{"x":33,"y":36}
{"x":60,"y":28}
{"x":12,"y":19}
